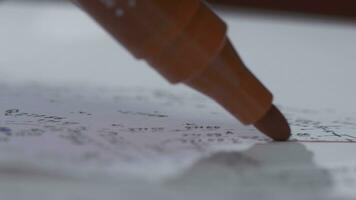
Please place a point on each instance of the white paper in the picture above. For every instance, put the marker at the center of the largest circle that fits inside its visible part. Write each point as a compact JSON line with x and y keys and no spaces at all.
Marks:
{"x":152,"y":133}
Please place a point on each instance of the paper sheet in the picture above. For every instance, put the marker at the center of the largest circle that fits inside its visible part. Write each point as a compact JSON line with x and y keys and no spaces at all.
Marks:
{"x":143,"y":132}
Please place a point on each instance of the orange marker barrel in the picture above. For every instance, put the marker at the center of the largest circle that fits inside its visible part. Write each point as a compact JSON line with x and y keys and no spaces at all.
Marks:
{"x":186,"y":43}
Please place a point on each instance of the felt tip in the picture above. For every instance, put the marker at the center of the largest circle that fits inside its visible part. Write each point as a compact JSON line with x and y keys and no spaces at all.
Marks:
{"x":274,"y":125}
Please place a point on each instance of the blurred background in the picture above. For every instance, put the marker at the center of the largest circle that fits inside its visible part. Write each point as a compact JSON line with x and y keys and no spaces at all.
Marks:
{"x":304,"y":52}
